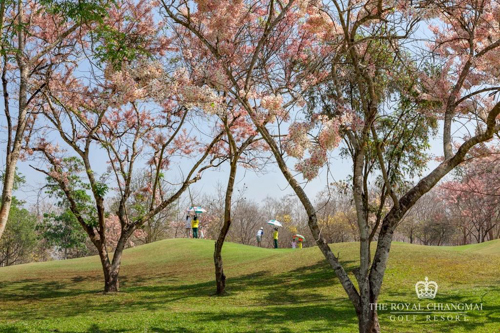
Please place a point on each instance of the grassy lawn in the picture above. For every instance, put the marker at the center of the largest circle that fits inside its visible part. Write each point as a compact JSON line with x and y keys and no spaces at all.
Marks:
{"x":167,"y":287}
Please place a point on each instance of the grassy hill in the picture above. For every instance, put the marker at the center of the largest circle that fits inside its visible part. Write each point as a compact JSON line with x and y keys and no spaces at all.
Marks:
{"x":167,"y":287}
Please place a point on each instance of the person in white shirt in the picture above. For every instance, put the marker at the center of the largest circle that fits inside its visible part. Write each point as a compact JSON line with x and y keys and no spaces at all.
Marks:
{"x":260,"y":233}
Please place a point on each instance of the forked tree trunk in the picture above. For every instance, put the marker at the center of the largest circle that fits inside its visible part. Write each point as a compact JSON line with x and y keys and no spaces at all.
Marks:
{"x":366,"y":310}
{"x":367,"y":317}
{"x":112,"y":270}
{"x":111,"y":282}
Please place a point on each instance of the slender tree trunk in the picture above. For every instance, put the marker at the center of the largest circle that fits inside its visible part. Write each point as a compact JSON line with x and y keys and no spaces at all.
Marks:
{"x":8,"y":185}
{"x":220,"y":277}
{"x":7,"y":257}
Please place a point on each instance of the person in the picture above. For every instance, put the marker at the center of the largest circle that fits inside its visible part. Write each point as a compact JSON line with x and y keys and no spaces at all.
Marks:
{"x":188,"y":226}
{"x":275,"y":237}
{"x":300,"y":243}
{"x":194,"y":224}
{"x":294,"y":243}
{"x":260,"y":233}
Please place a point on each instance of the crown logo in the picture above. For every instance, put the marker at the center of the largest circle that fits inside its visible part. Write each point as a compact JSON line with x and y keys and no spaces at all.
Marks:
{"x":427,"y":289}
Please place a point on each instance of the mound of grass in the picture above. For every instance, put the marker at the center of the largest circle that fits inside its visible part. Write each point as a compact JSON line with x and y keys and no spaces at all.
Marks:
{"x":167,"y":286}
{"x":492,"y":247}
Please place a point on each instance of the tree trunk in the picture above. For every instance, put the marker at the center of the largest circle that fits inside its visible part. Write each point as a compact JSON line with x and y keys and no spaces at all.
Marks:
{"x":111,"y":282}
{"x":220,"y":277}
{"x":368,"y":320}
{"x":8,"y":185}
{"x":112,"y":270}
{"x":311,"y":213}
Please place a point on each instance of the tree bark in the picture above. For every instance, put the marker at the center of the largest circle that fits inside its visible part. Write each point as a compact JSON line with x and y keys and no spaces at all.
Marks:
{"x":8,"y":185}
{"x":368,"y":319}
{"x":111,"y":272}
{"x":111,"y":282}
{"x":220,"y":277}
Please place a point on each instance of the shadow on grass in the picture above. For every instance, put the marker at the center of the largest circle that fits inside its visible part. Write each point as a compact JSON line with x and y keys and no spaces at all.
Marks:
{"x":37,"y":289}
{"x":281,"y":300}
{"x":94,"y":328}
{"x":325,"y":318}
{"x":157,"y":291}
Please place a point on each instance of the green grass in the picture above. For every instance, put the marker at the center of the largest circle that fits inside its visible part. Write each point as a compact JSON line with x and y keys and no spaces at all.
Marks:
{"x":167,"y":287}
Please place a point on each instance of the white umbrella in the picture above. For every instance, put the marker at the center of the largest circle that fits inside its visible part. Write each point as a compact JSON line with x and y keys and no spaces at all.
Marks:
{"x":275,"y":223}
{"x":196,"y":210}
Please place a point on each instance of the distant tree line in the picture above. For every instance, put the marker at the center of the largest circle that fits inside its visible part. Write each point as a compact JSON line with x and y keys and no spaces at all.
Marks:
{"x":442,"y":217}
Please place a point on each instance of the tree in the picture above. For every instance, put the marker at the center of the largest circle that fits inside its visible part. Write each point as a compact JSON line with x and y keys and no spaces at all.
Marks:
{"x":475,"y":194}
{"x":63,"y":232}
{"x":247,"y":218}
{"x":369,"y":64}
{"x":133,"y":109}
{"x":36,"y":40}
{"x":20,"y":237}
{"x":200,"y":28}
{"x":241,"y":139}
{"x":240,"y":145}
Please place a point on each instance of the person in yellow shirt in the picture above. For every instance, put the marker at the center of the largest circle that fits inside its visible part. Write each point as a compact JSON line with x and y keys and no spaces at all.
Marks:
{"x":300,"y":243}
{"x":275,"y":237}
{"x":195,"y":222}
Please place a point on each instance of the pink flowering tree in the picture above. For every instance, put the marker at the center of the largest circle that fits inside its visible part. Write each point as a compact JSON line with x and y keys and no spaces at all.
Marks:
{"x":474,"y":194}
{"x":363,"y":86}
{"x":240,"y":145}
{"x":36,"y":41}
{"x":132,"y":114}
{"x":222,"y":41}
